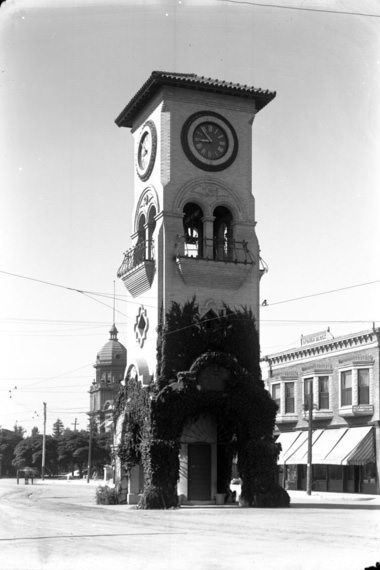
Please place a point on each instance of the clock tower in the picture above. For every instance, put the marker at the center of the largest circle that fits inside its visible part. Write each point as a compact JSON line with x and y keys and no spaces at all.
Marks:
{"x":194,"y":213}
{"x":193,"y":404}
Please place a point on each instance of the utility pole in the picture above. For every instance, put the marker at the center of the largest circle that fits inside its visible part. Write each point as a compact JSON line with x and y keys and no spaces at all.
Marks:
{"x":43,"y":445}
{"x":309,"y":472}
{"x":89,"y":453}
{"x":75,"y":424}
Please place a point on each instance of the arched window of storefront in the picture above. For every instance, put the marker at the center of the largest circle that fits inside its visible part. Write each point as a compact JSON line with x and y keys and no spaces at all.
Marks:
{"x":222,"y":233}
{"x":193,"y":230}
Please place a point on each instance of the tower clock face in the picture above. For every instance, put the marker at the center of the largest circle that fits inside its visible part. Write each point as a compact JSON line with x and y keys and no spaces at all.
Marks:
{"x":146,"y":150}
{"x":209,"y":141}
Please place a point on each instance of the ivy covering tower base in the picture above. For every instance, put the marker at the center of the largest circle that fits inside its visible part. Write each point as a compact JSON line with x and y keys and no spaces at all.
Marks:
{"x":188,"y":348}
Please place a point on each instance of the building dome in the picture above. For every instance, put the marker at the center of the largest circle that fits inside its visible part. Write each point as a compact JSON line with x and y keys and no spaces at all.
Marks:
{"x":113,"y":352}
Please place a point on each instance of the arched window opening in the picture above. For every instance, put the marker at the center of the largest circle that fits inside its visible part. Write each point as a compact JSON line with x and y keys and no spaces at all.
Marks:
{"x":141,"y":229}
{"x":139,"y":250}
{"x":222,"y":234}
{"x":193,"y":230}
{"x":151,"y":228}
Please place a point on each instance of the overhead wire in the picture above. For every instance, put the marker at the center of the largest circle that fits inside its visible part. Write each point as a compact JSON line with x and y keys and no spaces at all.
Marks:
{"x":90,"y":294}
{"x":269,"y":304}
{"x":301,"y":8}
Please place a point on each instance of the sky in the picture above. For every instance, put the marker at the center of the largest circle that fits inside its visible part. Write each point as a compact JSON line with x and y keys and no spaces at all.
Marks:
{"x":68,"y":67}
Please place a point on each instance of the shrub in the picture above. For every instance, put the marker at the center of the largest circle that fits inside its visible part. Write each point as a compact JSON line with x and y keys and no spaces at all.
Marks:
{"x":106,"y":495}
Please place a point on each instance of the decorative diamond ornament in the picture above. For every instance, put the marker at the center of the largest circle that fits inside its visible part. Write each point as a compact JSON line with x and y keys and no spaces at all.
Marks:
{"x":141,"y":325}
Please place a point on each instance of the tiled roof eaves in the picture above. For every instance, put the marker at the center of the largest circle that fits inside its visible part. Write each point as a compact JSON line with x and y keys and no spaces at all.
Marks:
{"x":188,"y":81}
{"x":349,"y":341}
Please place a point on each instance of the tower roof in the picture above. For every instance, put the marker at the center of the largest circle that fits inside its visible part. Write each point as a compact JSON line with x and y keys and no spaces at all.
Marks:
{"x":189,"y":81}
{"x":113,"y":352}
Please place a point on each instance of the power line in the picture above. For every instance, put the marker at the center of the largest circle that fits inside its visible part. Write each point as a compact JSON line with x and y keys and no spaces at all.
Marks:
{"x":55,"y":321}
{"x":77,"y":290}
{"x":59,"y":375}
{"x":49,"y":334}
{"x":301,"y":9}
{"x":74,"y":289}
{"x":267,"y":304}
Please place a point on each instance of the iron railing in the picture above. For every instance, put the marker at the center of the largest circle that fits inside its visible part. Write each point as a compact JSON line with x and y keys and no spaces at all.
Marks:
{"x":143,"y":251}
{"x":229,"y":250}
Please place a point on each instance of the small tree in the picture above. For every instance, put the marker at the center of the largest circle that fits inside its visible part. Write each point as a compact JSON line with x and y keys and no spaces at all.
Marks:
{"x":19,"y":430}
{"x":23,"y":453}
{"x":8,"y":442}
{"x":28,"y":453}
{"x":58,"y":428}
{"x":73,"y":450}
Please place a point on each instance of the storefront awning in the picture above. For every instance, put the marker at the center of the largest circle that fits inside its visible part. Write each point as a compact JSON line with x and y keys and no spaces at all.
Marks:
{"x":287,"y":441}
{"x":326,"y":443}
{"x":341,"y":446}
{"x":364,"y":452}
{"x":298,"y":455}
{"x":356,"y":447}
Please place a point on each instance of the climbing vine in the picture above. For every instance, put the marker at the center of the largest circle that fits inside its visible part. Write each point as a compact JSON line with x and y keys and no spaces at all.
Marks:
{"x":188,"y":345}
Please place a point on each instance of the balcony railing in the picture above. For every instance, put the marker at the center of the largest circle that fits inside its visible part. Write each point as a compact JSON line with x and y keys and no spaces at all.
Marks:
{"x":140,"y":253}
{"x":228,"y":250}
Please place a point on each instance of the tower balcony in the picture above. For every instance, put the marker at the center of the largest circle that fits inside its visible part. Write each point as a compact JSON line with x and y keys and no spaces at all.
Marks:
{"x":138,"y":267}
{"x":214,"y":263}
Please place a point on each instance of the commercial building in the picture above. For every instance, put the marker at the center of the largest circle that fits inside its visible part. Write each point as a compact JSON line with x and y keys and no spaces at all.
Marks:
{"x":340,"y":378}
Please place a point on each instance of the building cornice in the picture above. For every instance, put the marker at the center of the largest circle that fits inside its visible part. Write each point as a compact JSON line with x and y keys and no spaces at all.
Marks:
{"x":348,"y":342}
{"x":158,"y":79}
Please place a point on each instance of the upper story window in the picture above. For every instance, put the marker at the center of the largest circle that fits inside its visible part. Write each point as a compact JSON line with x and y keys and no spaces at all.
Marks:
{"x":316,"y":393}
{"x":363,"y":386}
{"x":346,"y":388}
{"x":323,"y":392}
{"x":289,"y":397}
{"x":276,"y":394}
{"x":355,"y":393}
{"x":193,"y":230}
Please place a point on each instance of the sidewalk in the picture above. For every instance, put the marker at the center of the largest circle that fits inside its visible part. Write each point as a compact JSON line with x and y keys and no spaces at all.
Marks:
{"x":80,"y":492}
{"x":320,"y":496}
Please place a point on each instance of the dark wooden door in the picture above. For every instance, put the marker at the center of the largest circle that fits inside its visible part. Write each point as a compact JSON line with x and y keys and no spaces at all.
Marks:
{"x":199,"y":472}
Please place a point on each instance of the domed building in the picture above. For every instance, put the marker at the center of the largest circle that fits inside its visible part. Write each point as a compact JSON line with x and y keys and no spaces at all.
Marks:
{"x":110,"y":365}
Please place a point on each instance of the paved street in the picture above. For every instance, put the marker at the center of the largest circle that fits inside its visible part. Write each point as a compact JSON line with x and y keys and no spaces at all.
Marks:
{"x":57,"y":526}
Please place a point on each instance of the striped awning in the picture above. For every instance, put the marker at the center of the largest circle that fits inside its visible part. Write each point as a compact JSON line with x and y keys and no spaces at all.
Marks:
{"x":364,"y":452}
{"x":326,"y":443}
{"x":287,"y":441}
{"x":298,"y":455}
{"x":356,"y":447}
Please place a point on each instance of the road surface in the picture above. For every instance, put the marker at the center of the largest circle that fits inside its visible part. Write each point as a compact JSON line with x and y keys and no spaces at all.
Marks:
{"x":57,"y":526}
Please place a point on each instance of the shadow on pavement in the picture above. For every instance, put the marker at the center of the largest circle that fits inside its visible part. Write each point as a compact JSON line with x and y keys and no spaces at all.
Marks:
{"x":337,"y":506}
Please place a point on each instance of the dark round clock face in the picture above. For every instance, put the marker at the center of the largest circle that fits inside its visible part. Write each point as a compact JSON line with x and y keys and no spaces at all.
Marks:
{"x":146,"y":150}
{"x":209,"y":141}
